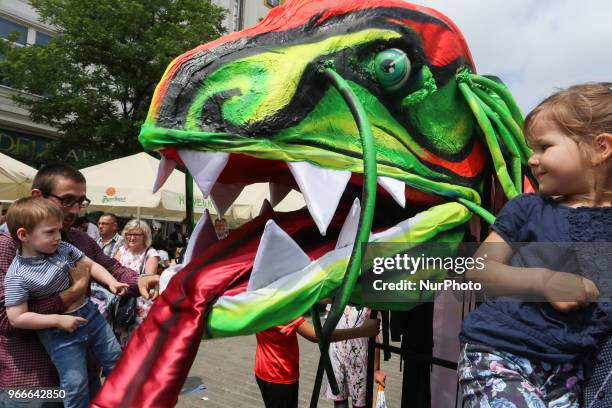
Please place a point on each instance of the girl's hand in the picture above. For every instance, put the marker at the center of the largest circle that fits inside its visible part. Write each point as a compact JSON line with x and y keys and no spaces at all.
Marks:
{"x":380,"y":377}
{"x":118,"y":288}
{"x":69,"y":323}
{"x":567,"y":291}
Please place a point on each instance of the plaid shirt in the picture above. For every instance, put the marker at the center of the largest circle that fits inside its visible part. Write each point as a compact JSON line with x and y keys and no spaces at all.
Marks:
{"x":112,"y":246}
{"x":23,"y":360}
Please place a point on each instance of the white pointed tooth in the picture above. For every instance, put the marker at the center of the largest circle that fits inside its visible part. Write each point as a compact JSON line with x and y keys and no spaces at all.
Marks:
{"x":322,"y":189}
{"x":205,"y":167}
{"x":349,"y":229}
{"x":395,"y":187}
{"x":278,"y":255}
{"x":224,"y":195}
{"x":265,"y":207}
{"x":165,"y":168}
{"x":202,"y":237}
{"x":278,"y":192}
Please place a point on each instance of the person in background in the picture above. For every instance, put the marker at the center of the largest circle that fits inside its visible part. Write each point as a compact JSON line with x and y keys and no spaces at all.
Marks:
{"x":277,"y":357}
{"x":3,"y":226}
{"x":87,"y":227}
{"x":349,"y":359}
{"x":110,"y":240}
{"x":139,"y":255}
{"x":221,"y":228}
{"x":82,"y":224}
{"x":164,"y":259}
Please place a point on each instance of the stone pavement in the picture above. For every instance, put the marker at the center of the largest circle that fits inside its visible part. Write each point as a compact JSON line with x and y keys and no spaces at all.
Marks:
{"x":225,"y":367}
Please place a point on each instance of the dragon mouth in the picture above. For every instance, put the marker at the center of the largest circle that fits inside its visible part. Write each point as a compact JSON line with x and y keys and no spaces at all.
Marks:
{"x":279,"y":263}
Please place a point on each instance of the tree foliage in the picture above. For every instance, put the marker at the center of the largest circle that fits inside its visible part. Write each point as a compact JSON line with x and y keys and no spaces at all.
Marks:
{"x":98,"y":74}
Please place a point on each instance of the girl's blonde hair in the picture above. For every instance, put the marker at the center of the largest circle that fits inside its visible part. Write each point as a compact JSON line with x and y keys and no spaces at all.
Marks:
{"x":141,"y":225}
{"x":582,"y":112}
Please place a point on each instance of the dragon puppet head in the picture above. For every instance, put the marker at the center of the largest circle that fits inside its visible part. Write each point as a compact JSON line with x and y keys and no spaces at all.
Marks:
{"x":257,"y":106}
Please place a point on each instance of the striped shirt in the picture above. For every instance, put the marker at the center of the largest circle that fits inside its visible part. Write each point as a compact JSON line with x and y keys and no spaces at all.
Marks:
{"x":38,"y":277}
{"x":112,"y":246}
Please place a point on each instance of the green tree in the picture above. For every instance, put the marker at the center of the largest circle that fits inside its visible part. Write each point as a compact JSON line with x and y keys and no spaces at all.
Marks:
{"x":98,"y":74}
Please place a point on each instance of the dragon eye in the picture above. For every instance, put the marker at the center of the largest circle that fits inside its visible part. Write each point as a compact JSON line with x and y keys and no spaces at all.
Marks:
{"x":392,"y":68}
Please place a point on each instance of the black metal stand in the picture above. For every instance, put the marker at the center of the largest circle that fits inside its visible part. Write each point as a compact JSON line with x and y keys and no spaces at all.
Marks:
{"x":416,"y":354}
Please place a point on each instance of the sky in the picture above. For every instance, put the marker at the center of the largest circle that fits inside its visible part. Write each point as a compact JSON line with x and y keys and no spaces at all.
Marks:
{"x":535,"y":46}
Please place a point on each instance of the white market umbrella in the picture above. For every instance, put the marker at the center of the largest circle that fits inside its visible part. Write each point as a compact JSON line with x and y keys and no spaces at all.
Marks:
{"x":125,"y":187}
{"x":15,"y":178}
{"x":249,"y":202}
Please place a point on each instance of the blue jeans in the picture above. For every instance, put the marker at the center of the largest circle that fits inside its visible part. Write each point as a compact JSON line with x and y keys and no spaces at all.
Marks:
{"x":68,"y":351}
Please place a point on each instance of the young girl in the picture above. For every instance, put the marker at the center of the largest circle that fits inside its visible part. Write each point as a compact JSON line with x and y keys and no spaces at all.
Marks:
{"x":517,"y":353}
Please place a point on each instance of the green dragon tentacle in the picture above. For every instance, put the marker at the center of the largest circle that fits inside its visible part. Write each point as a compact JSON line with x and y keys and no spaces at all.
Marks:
{"x":491,"y":139}
{"x":503,"y":114}
{"x":504,"y":94}
{"x":509,"y":142}
{"x":366,"y":218}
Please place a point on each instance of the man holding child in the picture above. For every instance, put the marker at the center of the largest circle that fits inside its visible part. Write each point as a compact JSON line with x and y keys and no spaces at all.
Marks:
{"x":24,"y":363}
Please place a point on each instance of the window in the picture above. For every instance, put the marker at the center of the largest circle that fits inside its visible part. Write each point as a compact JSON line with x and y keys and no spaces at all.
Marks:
{"x":8,"y":27}
{"x":42,"y":39}
{"x":273,"y":3}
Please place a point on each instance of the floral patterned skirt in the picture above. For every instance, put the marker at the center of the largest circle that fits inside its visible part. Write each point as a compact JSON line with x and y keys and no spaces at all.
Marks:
{"x":495,"y":379}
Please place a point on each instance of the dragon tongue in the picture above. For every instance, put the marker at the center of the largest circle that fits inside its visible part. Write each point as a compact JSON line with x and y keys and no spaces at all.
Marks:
{"x":322,"y":190}
{"x":165,"y":168}
{"x":205,"y":167}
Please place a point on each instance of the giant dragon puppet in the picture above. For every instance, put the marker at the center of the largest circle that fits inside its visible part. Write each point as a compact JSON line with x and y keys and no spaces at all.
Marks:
{"x":340,"y":99}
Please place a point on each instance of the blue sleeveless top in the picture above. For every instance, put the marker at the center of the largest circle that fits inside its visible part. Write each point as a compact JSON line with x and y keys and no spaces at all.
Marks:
{"x":534,"y":329}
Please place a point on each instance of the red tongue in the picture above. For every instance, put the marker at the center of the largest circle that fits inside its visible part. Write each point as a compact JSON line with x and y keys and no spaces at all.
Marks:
{"x":157,"y":360}
{"x":241,"y":245}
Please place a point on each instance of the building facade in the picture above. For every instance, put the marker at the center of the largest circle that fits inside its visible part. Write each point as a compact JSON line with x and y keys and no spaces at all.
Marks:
{"x":245,"y":13}
{"x":17,"y":131}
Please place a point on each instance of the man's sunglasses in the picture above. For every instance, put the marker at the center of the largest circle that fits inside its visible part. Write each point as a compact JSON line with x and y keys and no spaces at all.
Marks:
{"x":69,"y":201}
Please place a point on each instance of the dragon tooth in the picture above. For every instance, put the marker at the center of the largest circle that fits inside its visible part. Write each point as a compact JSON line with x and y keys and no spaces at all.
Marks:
{"x":278,"y":192}
{"x":278,"y":255}
{"x":322,"y":189}
{"x":165,"y":168}
{"x":224,"y":195}
{"x":351,"y":223}
{"x":202,"y":237}
{"x":205,"y":167}
{"x":265,"y":207}
{"x":395,"y":187}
